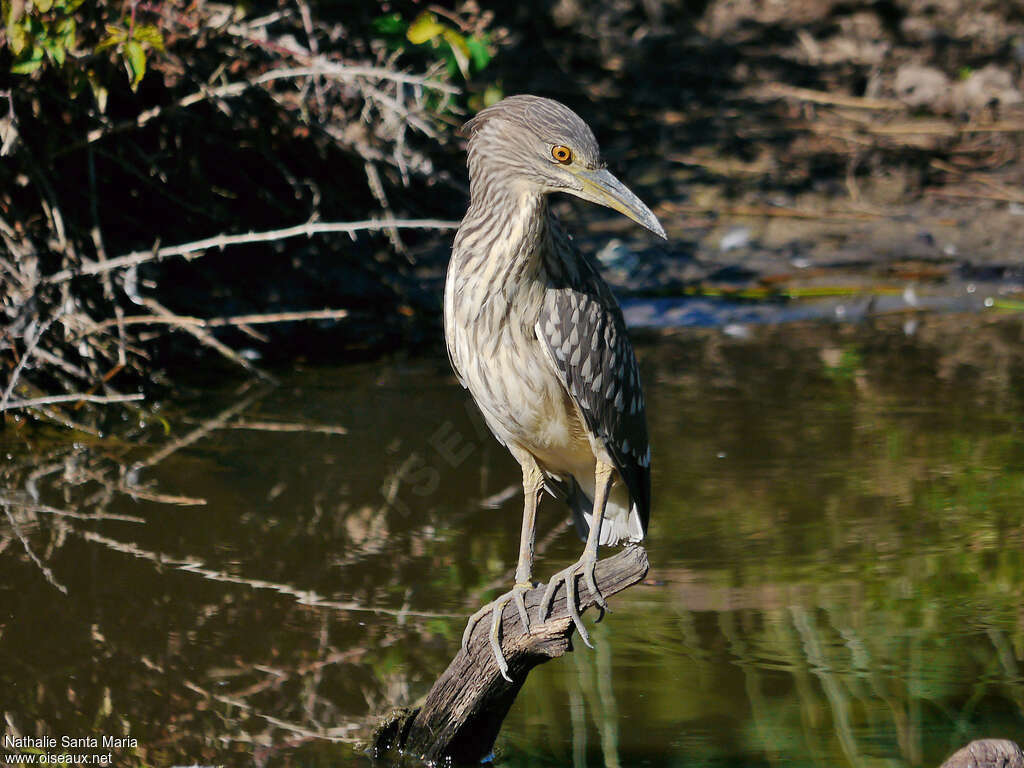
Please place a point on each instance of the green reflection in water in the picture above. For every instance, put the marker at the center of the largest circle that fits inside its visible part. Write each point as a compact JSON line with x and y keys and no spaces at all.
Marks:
{"x":835,"y":547}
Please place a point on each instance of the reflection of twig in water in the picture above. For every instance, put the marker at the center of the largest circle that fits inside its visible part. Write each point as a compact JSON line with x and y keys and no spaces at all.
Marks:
{"x":28,"y":549}
{"x":600,"y":694}
{"x":283,"y":426}
{"x":303,"y":596}
{"x":277,"y":677}
{"x":160,"y":498}
{"x":395,"y":484}
{"x":314,"y":680}
{"x":48,"y":510}
{"x":833,"y":691}
{"x":752,"y":682}
{"x":542,"y":544}
{"x":495,"y":500}
{"x":862,"y":660}
{"x":1008,"y":662}
{"x":578,"y":719}
{"x":339,"y":733}
{"x":200,"y":432}
{"x":806,"y":696}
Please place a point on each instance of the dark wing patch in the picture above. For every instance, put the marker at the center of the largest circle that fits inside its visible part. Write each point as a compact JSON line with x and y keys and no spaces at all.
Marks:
{"x":583,"y":329}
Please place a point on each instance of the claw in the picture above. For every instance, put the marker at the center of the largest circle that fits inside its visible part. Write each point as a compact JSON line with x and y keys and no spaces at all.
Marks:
{"x":497,"y":607}
{"x":574,"y":611}
{"x":547,"y":600}
{"x":585,"y":568}
{"x":468,"y":631}
{"x":517,"y":594}
{"x":588,"y":575}
{"x":494,"y":636}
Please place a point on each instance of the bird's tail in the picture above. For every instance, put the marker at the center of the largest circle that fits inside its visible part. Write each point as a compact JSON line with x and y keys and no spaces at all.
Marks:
{"x":621,"y":519}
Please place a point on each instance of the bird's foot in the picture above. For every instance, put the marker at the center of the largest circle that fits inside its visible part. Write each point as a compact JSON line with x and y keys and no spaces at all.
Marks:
{"x":495,"y":608}
{"x":585,"y":568}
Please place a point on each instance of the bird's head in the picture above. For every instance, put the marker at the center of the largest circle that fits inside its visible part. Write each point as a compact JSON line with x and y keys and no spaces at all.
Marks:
{"x":544,"y":145}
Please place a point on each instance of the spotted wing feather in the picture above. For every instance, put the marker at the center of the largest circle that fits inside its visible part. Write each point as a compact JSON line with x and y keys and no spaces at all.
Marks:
{"x":586,"y":338}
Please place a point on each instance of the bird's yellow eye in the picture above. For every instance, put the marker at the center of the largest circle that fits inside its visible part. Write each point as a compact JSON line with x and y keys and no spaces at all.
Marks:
{"x":562,"y":154}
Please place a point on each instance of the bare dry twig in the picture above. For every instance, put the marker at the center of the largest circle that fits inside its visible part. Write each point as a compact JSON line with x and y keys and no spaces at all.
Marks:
{"x":221,"y":322}
{"x":80,"y":397}
{"x":223,"y":241}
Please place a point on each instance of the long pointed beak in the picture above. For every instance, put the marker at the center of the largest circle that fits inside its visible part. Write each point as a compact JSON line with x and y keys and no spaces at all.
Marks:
{"x":603,"y":188}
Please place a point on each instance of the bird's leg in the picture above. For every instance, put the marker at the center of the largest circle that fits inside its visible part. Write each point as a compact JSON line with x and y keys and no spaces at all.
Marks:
{"x":533,"y":483}
{"x":586,"y":564}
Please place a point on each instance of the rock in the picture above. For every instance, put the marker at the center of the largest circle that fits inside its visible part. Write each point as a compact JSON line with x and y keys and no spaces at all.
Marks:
{"x":987,"y":753}
{"x":985,"y":87}
{"x":737,"y":237}
{"x":920,"y":86}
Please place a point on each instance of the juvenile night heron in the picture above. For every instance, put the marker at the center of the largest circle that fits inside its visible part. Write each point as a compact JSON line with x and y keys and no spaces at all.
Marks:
{"x":537,"y":337}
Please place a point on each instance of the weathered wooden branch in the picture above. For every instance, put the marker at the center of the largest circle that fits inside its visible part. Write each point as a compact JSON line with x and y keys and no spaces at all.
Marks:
{"x":987,"y":753}
{"x":461,"y":716}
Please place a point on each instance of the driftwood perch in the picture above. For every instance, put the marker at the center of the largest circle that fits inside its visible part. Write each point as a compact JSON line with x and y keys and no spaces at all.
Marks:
{"x":463,"y":712}
{"x":987,"y":753}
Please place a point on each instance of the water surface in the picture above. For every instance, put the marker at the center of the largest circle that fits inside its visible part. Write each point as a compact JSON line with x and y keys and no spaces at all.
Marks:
{"x":836,"y":556}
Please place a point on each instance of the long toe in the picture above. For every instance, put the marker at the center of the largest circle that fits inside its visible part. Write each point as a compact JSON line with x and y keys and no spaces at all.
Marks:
{"x":591,"y":580}
{"x":548,"y":599}
{"x":568,"y":578}
{"x":467,"y":633}
{"x":495,"y":609}
{"x":518,"y":592}
{"x":495,"y":636}
{"x":571,"y":605}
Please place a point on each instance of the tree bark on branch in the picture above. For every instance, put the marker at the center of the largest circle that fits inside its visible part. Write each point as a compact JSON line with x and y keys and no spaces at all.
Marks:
{"x":463,"y":712}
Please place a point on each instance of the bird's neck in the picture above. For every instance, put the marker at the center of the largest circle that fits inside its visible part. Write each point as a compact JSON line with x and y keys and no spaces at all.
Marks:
{"x":504,"y":233}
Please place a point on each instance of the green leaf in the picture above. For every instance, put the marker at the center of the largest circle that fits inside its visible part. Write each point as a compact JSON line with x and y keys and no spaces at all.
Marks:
{"x":17,"y":38}
{"x":424,"y":28}
{"x":65,"y":31}
{"x":478,"y":52}
{"x":29,"y":65}
{"x":149,"y":35}
{"x":115,"y":36}
{"x":11,"y":11}
{"x":43,"y":6}
{"x":135,"y":62}
{"x":459,"y":51}
{"x":25,"y":67}
{"x":55,"y":49}
{"x":99,"y":93}
{"x":391,"y":24}
{"x":493,"y":94}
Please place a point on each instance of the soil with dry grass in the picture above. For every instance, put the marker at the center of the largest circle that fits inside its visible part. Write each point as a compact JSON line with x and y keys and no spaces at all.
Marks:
{"x":800,"y":144}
